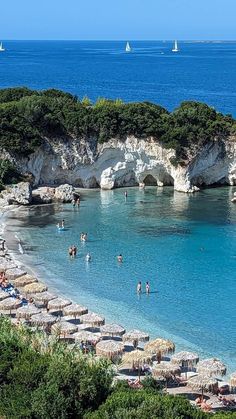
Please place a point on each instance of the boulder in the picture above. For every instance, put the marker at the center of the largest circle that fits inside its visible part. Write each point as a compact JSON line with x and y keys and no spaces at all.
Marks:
{"x":21,"y":193}
{"x":14,"y":273}
{"x":43,"y":195}
{"x":64,"y":193}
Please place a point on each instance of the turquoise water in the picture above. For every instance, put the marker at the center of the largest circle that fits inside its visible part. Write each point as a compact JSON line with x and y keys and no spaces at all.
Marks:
{"x":204,"y":72}
{"x":184,"y":245}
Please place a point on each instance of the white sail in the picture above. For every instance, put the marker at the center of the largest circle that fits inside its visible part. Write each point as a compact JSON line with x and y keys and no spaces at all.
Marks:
{"x":1,"y":47}
{"x":128,"y":47}
{"x":175,"y":48}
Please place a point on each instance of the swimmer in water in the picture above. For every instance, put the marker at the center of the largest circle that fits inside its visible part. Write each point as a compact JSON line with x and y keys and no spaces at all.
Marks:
{"x":120,"y":258}
{"x":70,"y":251}
{"x":139,"y":287}
{"x":74,"y":250}
{"x":147,"y":288}
{"x":88,"y":257}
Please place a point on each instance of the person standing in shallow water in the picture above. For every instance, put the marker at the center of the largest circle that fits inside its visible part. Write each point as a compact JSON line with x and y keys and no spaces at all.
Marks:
{"x":139,"y":287}
{"x":126,"y":194}
{"x":147,"y":288}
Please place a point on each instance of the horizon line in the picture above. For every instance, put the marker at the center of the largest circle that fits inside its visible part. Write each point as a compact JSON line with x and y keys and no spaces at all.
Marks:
{"x":118,"y":40}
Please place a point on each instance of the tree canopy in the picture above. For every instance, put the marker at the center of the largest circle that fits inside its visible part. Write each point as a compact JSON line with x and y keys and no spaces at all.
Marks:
{"x":28,"y":116}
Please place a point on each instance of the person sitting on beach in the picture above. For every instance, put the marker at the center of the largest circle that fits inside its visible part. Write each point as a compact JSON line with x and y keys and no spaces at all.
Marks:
{"x":88,"y":257}
{"x":147,"y":288}
{"x":139,"y":287}
{"x":120,"y":258}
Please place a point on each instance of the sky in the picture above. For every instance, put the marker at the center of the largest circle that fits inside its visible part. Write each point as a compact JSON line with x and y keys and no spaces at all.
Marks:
{"x":118,"y":19}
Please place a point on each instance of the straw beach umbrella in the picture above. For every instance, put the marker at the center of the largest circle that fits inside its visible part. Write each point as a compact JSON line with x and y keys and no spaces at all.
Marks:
{"x":4,"y":295}
{"x":63,"y":328}
{"x":165,"y":369}
{"x":203,"y":382}
{"x":211,"y":367}
{"x":160,"y":347}
{"x":109,"y":348}
{"x":43,"y":319}
{"x":26,"y":312}
{"x":34,"y":288}
{"x":92,"y":319}
{"x":185,"y":359}
{"x":85,"y":336}
{"x":45,"y":297}
{"x":135,"y":336}
{"x":23,"y":280}
{"x":58,"y":304}
{"x":112,"y":330}
{"x":136,"y":359}
{"x":14,"y":273}
{"x":9,"y":304}
{"x":74,"y":310}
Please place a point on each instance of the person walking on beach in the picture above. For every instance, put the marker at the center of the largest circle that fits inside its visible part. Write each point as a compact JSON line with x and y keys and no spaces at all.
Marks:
{"x":147,"y":288}
{"x":139,"y":287}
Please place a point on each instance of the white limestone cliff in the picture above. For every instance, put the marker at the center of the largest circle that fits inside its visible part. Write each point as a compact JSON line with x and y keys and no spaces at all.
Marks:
{"x":117,"y":163}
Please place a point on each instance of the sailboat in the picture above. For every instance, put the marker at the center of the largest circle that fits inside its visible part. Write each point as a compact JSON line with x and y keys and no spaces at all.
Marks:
{"x":1,"y":48}
{"x":128,"y":47}
{"x":175,"y":48}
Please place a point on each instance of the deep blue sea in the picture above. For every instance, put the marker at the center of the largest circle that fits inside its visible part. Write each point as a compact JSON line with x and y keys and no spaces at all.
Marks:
{"x":200,"y":71}
{"x":184,"y":245}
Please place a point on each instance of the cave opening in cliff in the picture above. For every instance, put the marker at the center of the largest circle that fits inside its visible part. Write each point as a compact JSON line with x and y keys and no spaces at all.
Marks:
{"x":149,"y":180}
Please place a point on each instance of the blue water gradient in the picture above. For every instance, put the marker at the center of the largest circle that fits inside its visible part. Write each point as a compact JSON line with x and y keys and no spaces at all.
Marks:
{"x":200,"y":71}
{"x":184,"y":245}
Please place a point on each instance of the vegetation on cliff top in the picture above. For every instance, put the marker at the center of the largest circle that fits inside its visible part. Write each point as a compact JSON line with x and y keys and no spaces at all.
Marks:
{"x":27,"y":116}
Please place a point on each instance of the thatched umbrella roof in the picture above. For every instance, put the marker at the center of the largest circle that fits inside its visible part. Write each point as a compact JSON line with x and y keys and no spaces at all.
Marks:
{"x":136,"y":358}
{"x":109,"y":348}
{"x":74,"y":310}
{"x":9,"y":303}
{"x":4,"y":295}
{"x":160,"y":346}
{"x":112,"y":330}
{"x":58,"y":303}
{"x":7,"y":264}
{"x":135,"y":336}
{"x":211,"y":367}
{"x":185,"y":358}
{"x":14,"y":273}
{"x":34,"y":288}
{"x":92,"y":319}
{"x":42,"y":319}
{"x":64,"y":327}
{"x":233,"y":379}
{"x":165,"y":369}
{"x":85,"y":336}
{"x":23,"y":280}
{"x":45,"y":296}
{"x":26,"y":312}
{"x":202,"y":382}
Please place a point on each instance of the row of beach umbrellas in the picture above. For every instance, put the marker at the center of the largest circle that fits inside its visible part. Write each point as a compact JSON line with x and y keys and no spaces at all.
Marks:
{"x":28,"y":285}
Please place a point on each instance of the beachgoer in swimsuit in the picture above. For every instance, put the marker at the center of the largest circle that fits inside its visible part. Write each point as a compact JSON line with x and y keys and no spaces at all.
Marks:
{"x":139,"y":287}
{"x":63,"y":224}
{"x":74,"y":251}
{"x":70,"y":251}
{"x":88,"y":257}
{"x":147,"y":288}
{"x":120,"y":258}
{"x":126,"y":194}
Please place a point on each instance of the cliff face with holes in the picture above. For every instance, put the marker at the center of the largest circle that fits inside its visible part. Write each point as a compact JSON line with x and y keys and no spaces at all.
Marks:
{"x":116,"y":163}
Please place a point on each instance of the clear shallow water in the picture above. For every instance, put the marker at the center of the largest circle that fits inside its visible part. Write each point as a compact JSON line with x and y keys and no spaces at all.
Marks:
{"x":200,"y":71}
{"x":184,"y":245}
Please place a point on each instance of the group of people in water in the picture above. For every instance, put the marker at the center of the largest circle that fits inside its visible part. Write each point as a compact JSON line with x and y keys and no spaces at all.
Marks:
{"x":139,"y":288}
{"x":76,"y":201}
{"x":61,"y":225}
